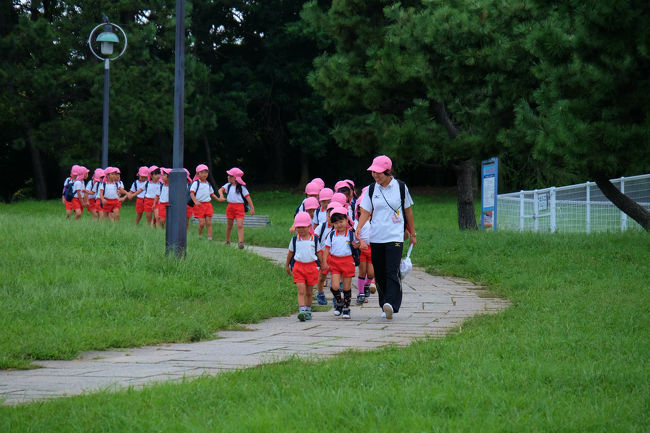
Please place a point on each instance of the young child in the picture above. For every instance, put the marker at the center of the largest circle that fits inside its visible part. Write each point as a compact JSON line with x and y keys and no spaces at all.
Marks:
{"x":201,"y":193}
{"x":79,"y":201}
{"x":311,"y":190}
{"x":235,"y":192}
{"x":311,"y":205}
{"x":92,"y":187}
{"x":154,"y":169}
{"x":324,"y":197}
{"x":303,"y":248}
{"x":322,"y":231}
{"x":137,"y":190}
{"x":162,"y":199}
{"x":189,"y":210}
{"x":74,"y":172}
{"x":112,"y":194}
{"x":346,"y":187}
{"x":337,"y":257}
{"x":151,"y":191}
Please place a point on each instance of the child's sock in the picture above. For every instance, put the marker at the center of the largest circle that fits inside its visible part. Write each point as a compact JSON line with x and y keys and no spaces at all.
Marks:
{"x":336,"y":294}
{"x":347,"y":296}
{"x":308,"y":307}
{"x":361,"y":282}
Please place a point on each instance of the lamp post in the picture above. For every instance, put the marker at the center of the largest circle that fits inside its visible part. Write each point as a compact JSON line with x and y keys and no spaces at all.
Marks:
{"x":176,"y":233}
{"x":106,"y":39}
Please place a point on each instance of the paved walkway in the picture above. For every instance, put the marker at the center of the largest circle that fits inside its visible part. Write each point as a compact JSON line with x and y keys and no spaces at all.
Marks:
{"x":432,"y":306}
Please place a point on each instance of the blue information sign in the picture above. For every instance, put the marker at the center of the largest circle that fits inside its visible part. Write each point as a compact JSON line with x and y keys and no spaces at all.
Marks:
{"x":489,"y":191}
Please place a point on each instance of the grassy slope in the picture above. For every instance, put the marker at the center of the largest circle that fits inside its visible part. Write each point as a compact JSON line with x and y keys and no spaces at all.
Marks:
{"x":571,"y":354}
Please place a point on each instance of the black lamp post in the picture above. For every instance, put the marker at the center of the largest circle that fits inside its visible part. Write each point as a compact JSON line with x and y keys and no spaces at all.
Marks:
{"x":107,"y":38}
{"x":176,"y":234}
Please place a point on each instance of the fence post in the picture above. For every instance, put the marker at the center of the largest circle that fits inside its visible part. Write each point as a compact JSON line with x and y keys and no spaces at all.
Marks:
{"x":521,"y":210}
{"x":623,"y":214}
{"x":535,"y":211}
{"x":553,"y":220}
{"x":588,"y":205}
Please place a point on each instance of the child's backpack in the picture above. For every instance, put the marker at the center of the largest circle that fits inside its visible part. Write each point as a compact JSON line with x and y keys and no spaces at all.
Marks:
{"x":190,"y":202}
{"x":68,"y":192}
{"x":356,"y":252}
{"x":293,"y":243}
{"x":247,"y":207}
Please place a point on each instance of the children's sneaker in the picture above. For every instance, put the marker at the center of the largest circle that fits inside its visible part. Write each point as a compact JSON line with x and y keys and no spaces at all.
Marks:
{"x":308,"y":315}
{"x":346,"y":313}
{"x":302,"y":316}
{"x":338,"y":308}
{"x":320,"y":298}
{"x":360,"y":299}
{"x":373,"y":287}
{"x":388,"y":309}
{"x":241,"y":245}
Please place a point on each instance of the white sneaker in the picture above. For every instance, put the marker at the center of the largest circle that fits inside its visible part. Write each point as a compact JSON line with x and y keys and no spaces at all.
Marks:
{"x":388,"y":310}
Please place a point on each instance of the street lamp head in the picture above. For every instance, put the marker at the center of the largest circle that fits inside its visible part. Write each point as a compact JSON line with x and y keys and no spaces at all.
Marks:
{"x":107,"y":39}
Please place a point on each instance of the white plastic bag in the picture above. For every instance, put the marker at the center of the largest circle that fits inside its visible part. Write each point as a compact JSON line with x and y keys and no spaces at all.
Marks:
{"x":405,"y":265}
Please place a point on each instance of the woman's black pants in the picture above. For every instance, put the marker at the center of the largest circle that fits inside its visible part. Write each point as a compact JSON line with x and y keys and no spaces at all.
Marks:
{"x":386,"y":259}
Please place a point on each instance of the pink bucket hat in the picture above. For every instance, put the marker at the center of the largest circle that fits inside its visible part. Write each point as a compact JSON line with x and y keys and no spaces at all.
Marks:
{"x":312,"y":189}
{"x":237,"y":173}
{"x":74,"y":171}
{"x":302,"y":219}
{"x":340,"y":210}
{"x":325,"y":194}
{"x":98,"y":174}
{"x":380,"y":164}
{"x":349,"y":182}
{"x":201,"y":167}
{"x":333,"y":205}
{"x":153,"y":168}
{"x":109,"y":170}
{"x":143,"y":171}
{"x":319,"y":182}
{"x":311,"y":203}
{"x":339,"y":198}
{"x":187,"y":173}
{"x":341,"y":184}
{"x":166,"y":170}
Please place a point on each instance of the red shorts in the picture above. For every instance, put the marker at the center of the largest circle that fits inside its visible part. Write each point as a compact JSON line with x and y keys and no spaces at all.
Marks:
{"x":235,"y":210}
{"x":341,"y":265}
{"x":162,"y":210}
{"x":366,"y":255}
{"x":189,"y":210}
{"x":68,"y":205}
{"x":305,"y":273}
{"x":204,"y":210}
{"x":76,"y":204}
{"x":109,"y":204}
{"x":148,"y":205}
{"x":92,"y":204}
{"x":139,"y":205}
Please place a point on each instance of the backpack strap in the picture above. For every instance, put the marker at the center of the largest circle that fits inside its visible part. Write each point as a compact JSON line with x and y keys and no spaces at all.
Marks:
{"x":351,"y":237}
{"x":322,"y":229}
{"x":293,"y":242}
{"x":146,"y":185}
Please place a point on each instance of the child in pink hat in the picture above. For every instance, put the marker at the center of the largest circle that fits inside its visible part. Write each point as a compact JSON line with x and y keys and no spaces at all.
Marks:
{"x":138,"y":189}
{"x":311,"y":205}
{"x":93,"y":192}
{"x":76,"y":205}
{"x":162,"y":199}
{"x":112,"y":194}
{"x":189,"y":208}
{"x":302,"y":261}
{"x":201,"y":193}
{"x":338,"y":259}
{"x":324,"y":198}
{"x":311,"y":190}
{"x":70,"y":180}
{"x":238,"y":198}
{"x":322,"y":231}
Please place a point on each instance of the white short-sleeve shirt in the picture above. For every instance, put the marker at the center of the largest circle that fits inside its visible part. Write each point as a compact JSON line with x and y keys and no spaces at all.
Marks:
{"x":139,"y":185}
{"x":202,"y":190}
{"x":339,"y":244}
{"x":325,"y":229}
{"x":365,"y":231}
{"x":305,"y":249}
{"x":320,"y":216}
{"x":387,"y":217}
{"x":164,"y":194}
{"x":153,"y":189}
{"x":78,"y":186}
{"x":111,"y":190}
{"x":233,"y":196}
{"x":91,"y":187}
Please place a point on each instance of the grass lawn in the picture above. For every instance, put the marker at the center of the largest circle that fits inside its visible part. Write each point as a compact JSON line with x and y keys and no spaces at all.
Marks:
{"x":572,"y":353}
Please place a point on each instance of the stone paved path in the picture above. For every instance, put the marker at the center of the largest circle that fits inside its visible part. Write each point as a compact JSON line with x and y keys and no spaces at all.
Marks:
{"x":432,"y":306}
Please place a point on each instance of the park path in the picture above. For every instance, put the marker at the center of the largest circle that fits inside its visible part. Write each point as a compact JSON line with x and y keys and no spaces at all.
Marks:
{"x":432,"y":306}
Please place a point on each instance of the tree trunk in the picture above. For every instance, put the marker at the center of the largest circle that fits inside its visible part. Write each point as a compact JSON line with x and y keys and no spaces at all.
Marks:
{"x":631,"y":208}
{"x":465,"y":192}
{"x":40,"y":187}
{"x":464,"y":172}
{"x":304,"y":169}
{"x":208,"y":156}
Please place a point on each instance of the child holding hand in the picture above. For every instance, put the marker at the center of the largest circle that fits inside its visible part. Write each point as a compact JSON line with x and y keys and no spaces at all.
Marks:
{"x":201,"y":193}
{"x":303,"y":252}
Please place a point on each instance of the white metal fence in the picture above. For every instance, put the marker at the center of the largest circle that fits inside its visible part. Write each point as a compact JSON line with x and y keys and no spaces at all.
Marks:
{"x":574,"y":208}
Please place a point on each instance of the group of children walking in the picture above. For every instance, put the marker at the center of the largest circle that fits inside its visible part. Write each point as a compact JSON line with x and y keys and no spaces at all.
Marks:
{"x":102,"y":196}
{"x":325,"y":243}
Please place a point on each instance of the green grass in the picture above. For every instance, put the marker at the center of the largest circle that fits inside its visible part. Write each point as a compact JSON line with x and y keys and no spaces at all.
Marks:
{"x":571,"y":354}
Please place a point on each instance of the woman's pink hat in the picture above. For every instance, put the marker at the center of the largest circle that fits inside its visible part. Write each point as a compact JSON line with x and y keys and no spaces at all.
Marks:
{"x":339,"y":198}
{"x":302,"y":219}
{"x":325,"y":194}
{"x":312,"y":189}
{"x":237,"y":174}
{"x":143,"y":171}
{"x":339,"y":210}
{"x":201,"y":167}
{"x":380,"y":164}
{"x":318,"y":181}
{"x":311,"y":203}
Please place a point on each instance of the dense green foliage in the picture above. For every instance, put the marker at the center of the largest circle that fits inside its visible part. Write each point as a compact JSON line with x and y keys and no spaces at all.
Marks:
{"x":570,"y":354}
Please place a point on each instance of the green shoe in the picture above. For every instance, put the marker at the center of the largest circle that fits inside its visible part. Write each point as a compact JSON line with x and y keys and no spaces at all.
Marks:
{"x":302,"y":316}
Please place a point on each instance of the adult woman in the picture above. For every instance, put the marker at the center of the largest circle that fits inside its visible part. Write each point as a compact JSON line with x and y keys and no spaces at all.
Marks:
{"x":389,"y":202}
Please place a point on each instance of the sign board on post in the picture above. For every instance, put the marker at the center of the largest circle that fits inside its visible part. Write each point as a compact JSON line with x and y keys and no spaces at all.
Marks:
{"x":489,"y":191}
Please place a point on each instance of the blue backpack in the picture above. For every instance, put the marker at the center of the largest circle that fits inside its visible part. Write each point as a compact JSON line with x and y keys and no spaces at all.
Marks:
{"x":68,"y":192}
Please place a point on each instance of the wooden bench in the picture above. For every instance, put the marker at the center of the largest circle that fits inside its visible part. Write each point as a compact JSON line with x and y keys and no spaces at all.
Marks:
{"x":249,"y":220}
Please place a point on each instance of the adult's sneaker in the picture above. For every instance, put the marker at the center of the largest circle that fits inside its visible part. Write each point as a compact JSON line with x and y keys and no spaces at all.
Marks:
{"x":320,"y":298}
{"x":373,"y":287}
{"x":346,"y":313}
{"x":388,"y":309}
{"x":302,"y":316}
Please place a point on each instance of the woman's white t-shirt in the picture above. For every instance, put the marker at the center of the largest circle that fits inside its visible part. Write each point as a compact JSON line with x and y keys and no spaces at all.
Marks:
{"x":387,"y":224}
